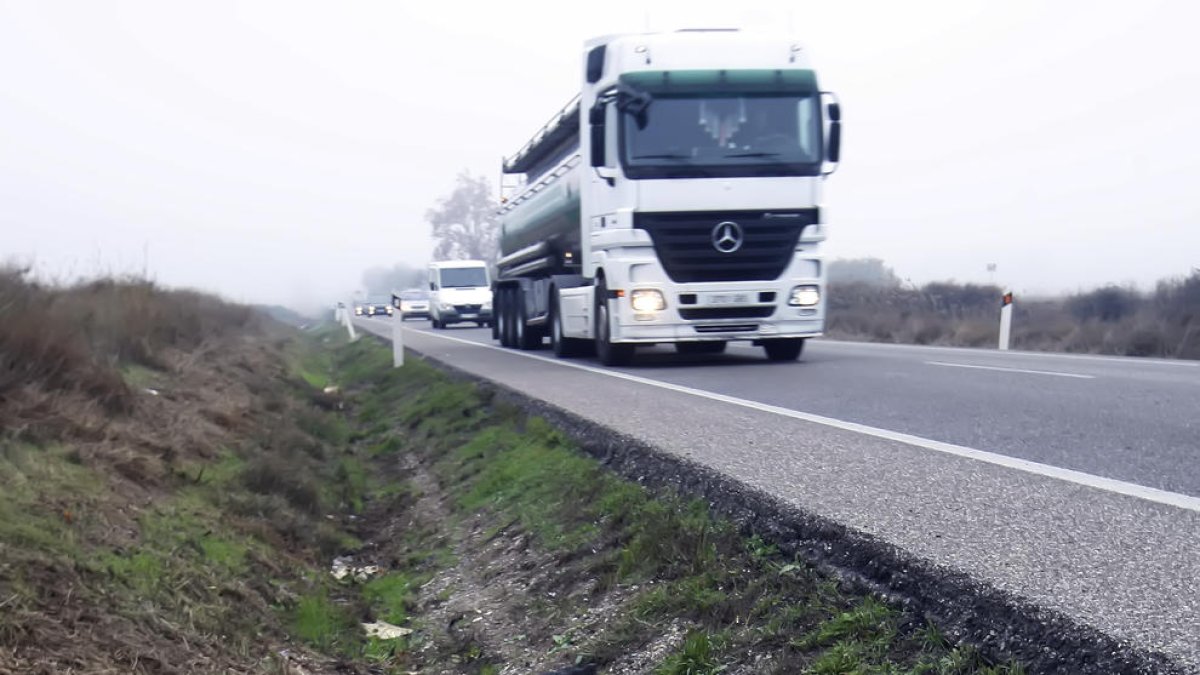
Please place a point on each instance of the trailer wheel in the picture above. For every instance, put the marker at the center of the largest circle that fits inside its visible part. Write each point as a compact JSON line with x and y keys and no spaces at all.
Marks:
{"x":527,"y":337}
{"x":783,"y":349}
{"x":505,"y":318}
{"x":610,"y":353}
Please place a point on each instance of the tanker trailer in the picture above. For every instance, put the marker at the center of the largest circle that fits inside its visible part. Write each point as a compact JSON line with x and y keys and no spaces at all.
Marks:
{"x":676,"y":200}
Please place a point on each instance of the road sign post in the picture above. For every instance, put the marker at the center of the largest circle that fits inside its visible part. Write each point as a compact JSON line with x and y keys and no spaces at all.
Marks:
{"x":397,"y":333}
{"x":1006,"y":304}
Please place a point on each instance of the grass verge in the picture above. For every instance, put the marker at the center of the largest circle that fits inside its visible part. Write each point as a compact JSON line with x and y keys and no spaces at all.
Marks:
{"x":656,"y":561}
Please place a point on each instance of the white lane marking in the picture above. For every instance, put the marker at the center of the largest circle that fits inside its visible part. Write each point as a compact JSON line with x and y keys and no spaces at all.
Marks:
{"x":1121,"y":487}
{"x":1011,"y":370}
{"x":1012,"y":354}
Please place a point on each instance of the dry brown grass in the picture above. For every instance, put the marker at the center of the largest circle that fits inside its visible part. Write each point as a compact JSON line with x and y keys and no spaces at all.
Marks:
{"x":63,"y":348}
{"x":1108,"y":320}
{"x":123,"y":404}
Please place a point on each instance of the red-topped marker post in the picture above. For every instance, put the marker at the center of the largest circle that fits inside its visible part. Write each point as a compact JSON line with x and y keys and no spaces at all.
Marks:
{"x":1006,"y":305}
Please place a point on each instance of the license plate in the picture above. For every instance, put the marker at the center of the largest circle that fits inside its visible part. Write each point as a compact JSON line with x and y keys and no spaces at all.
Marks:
{"x":727,"y":299}
{"x":468,"y":315}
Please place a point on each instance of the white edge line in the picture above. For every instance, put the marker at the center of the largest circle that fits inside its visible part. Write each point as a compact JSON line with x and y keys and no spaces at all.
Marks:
{"x":1121,"y":487}
{"x":1010,"y":370}
{"x":976,"y":351}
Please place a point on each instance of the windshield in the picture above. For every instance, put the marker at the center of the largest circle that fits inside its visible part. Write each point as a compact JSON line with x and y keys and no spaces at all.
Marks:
{"x":735,"y":135}
{"x":463,"y":277}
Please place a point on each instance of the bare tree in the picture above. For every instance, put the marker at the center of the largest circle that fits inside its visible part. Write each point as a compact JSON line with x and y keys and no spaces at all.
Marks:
{"x":465,"y":223}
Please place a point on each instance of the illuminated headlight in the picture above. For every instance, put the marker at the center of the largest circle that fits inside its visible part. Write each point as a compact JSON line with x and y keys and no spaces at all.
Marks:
{"x":805,"y":296}
{"x":648,"y":300}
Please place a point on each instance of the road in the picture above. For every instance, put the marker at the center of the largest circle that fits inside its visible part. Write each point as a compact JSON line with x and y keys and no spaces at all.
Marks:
{"x":1070,"y":481}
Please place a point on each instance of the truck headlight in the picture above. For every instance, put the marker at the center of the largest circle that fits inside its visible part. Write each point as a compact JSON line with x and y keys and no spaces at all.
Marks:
{"x":445,"y":306}
{"x":487,"y":304}
{"x":648,"y":300}
{"x":805,"y":296}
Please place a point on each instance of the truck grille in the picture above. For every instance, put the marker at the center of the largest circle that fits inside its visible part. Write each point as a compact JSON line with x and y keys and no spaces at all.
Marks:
{"x":467,"y":308}
{"x":684,"y":243}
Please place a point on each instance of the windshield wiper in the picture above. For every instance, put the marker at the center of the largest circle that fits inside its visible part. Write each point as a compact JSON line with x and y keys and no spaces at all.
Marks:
{"x":663,"y":156}
{"x":754,"y":154}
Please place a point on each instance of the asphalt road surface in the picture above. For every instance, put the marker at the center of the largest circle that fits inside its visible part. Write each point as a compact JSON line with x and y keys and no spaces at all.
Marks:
{"x":1070,"y":481}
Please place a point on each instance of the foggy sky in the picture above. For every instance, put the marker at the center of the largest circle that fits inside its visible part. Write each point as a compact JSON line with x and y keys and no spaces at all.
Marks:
{"x":270,"y":151}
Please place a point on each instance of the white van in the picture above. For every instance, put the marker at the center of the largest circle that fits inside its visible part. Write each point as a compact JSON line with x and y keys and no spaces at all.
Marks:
{"x":459,"y":291}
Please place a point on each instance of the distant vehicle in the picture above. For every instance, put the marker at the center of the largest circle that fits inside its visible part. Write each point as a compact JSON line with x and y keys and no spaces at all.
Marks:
{"x":459,"y":291}
{"x":414,"y":304}
{"x":377,"y":305}
{"x":677,"y":200}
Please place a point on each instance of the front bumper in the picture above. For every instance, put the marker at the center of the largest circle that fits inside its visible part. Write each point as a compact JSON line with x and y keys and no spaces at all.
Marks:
{"x":761,"y":329}
{"x":755,"y":312}
{"x":456,"y":316}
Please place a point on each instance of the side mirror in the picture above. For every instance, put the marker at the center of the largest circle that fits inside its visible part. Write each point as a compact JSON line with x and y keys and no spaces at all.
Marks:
{"x":595,"y":64}
{"x":596,"y":128}
{"x":835,"y":141}
{"x":432,"y":286}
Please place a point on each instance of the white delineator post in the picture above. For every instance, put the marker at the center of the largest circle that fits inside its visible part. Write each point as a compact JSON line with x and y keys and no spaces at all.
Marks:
{"x":397,"y":333}
{"x":1005,"y":320}
{"x":346,"y":321}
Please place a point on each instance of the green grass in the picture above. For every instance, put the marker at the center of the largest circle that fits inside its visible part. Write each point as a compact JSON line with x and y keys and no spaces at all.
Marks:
{"x":325,"y":625}
{"x":351,"y":483}
{"x":697,"y":656}
{"x":869,"y":620}
{"x":46,"y":499}
{"x":392,"y":595}
{"x":531,"y":477}
{"x":140,"y":377}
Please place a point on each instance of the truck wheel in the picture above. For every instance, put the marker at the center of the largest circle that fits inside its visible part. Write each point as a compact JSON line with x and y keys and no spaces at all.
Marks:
{"x":527,"y":338}
{"x":783,"y":349}
{"x":610,"y":353}
{"x":708,"y":347}
{"x":504,"y":318}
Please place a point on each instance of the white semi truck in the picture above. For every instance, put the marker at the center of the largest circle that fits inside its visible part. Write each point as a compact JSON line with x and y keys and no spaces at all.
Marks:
{"x":676,"y":200}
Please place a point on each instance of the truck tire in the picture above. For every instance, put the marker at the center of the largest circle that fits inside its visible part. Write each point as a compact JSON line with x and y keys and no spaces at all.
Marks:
{"x":525,"y":337}
{"x":707,"y":347}
{"x":504,"y":319}
{"x":609,"y":353}
{"x":783,"y":349}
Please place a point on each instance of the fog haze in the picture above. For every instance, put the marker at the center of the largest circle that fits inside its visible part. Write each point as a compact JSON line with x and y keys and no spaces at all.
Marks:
{"x":270,"y":151}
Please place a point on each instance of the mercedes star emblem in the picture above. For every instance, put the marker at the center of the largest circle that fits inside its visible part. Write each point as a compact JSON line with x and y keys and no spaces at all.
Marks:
{"x":727,"y":237}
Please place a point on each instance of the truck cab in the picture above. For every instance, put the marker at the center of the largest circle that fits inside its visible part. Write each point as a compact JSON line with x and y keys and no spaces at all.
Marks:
{"x":459,"y":292}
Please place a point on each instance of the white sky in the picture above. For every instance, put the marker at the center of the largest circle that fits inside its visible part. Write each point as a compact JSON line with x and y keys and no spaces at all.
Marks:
{"x":270,"y":151}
